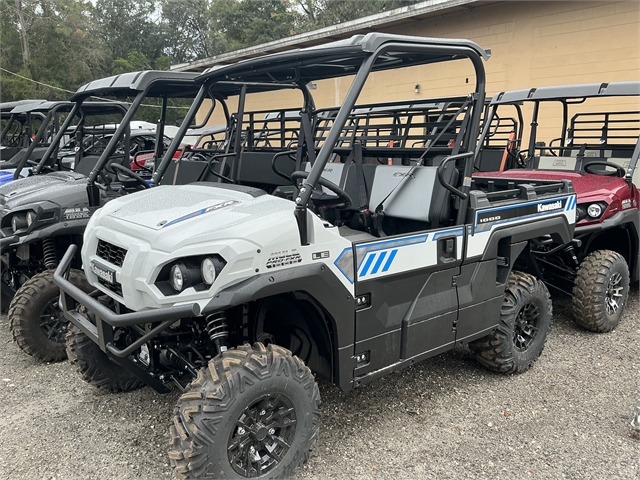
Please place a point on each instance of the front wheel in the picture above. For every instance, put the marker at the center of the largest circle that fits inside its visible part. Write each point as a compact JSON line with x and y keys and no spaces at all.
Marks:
{"x":37,"y":324}
{"x":253,"y":412}
{"x":95,"y":366}
{"x":600,"y":291}
{"x":525,"y":320}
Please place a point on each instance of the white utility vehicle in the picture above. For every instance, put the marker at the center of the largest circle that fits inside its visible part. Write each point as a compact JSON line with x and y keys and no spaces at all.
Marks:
{"x":369,"y":257}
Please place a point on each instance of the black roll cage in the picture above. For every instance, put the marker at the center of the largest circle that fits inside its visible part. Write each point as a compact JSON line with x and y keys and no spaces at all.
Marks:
{"x":217,"y":78}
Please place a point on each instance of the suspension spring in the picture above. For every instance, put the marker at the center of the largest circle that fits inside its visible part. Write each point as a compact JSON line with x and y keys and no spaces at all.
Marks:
{"x":218,"y":330}
{"x":49,"y":253}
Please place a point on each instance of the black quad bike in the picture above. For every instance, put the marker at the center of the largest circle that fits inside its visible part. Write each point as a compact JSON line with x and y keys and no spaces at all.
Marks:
{"x":235,"y":294}
{"x":41,"y":215}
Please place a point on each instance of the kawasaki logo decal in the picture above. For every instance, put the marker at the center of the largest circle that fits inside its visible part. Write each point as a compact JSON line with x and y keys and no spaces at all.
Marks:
{"x":548,"y":207}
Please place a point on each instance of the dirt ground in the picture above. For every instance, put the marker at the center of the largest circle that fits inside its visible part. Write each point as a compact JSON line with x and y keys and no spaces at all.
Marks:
{"x":446,"y":417}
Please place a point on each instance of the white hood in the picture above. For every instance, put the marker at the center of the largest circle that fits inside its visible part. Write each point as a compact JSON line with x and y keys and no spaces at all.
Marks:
{"x":169,"y":216}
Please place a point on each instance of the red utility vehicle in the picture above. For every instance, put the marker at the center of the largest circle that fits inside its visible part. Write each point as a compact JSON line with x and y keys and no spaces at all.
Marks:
{"x":597,"y":149}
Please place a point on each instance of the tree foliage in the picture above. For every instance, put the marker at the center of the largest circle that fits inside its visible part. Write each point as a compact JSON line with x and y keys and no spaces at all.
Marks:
{"x":66,"y":43}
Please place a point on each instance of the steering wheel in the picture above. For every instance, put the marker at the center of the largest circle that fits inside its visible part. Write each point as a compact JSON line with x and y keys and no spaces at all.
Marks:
{"x":121,"y":168}
{"x":343,"y":201}
{"x":620,"y":172}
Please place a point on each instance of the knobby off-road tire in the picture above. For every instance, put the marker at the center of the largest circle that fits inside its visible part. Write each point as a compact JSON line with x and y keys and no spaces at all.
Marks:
{"x":525,"y":319}
{"x":35,"y":319}
{"x":94,"y":365}
{"x":600,"y":291}
{"x":254,"y":412}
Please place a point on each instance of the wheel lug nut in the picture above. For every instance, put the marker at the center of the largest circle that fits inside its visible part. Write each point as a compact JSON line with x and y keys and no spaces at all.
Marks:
{"x":241,"y":431}
{"x":272,"y":431}
{"x":263,"y":412}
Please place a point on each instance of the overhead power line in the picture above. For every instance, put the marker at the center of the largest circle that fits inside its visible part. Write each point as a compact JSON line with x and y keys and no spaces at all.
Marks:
{"x":69,"y":91}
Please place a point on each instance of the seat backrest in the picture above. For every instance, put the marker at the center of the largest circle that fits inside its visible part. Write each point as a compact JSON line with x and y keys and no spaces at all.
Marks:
{"x":412,"y":199}
{"x":549,"y":162}
{"x":87,"y":164}
{"x":331,"y":172}
{"x":255,"y":168}
{"x":183,"y":172}
{"x":490,"y":159}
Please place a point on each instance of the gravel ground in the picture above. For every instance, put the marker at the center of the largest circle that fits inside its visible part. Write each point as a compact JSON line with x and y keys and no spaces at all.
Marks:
{"x":443,"y":418}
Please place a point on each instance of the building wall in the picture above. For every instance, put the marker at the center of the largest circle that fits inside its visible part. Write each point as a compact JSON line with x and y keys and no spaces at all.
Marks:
{"x":533,"y":43}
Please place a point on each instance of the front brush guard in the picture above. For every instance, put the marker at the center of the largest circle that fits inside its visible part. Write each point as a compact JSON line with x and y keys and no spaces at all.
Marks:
{"x":99,"y":322}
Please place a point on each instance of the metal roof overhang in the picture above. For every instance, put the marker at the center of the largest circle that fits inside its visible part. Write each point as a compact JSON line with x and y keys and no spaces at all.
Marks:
{"x":158,"y":82}
{"x":587,"y":90}
{"x":340,"y":58}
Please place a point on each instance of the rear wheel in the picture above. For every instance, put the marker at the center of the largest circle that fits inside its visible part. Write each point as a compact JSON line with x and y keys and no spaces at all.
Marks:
{"x":600,"y":291}
{"x":94,"y":365}
{"x":525,"y":319}
{"x":254,"y":412}
{"x":36,"y":321}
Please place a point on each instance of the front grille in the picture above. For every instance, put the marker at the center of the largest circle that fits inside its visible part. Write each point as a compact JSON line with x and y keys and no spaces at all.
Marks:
{"x":115,"y":288}
{"x":111,"y":253}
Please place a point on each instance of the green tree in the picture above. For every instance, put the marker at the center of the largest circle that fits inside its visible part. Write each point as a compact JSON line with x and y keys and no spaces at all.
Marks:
{"x":187,"y":27}
{"x":323,"y":13}
{"x":64,"y":51}
{"x":127,"y":25}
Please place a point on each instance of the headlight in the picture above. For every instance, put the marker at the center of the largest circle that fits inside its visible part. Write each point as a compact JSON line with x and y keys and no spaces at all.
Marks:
{"x":590,"y":211}
{"x":198,"y":272}
{"x":19,"y":222}
{"x":208,"y":270}
{"x":594,"y":210}
{"x":31,"y":217}
{"x":177,"y":277}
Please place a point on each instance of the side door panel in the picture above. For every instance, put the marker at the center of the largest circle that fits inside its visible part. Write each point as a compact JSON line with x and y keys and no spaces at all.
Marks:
{"x":407,"y":301}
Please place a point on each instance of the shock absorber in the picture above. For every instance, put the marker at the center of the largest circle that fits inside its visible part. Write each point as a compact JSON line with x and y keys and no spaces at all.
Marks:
{"x":218,"y":330}
{"x":572,"y":256}
{"x":49,"y":253}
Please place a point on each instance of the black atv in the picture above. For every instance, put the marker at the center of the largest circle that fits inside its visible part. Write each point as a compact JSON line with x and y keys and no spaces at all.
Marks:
{"x":41,"y":215}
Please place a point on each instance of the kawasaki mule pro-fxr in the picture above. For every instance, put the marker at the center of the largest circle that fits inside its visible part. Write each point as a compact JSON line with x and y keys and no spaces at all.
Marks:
{"x":183,"y":290}
{"x":596,"y":145}
{"x":41,"y":215}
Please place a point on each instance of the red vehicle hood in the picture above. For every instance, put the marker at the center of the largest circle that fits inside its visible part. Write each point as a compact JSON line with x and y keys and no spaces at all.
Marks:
{"x":588,"y":187}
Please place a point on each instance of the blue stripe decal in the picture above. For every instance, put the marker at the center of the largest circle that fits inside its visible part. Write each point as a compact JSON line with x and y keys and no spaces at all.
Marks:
{"x":509,"y":207}
{"x":458,"y":232}
{"x":378,"y":263}
{"x":185,"y":217}
{"x":399,"y":242}
{"x":367,"y":264}
{"x":390,"y":261}
{"x":212,"y":208}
